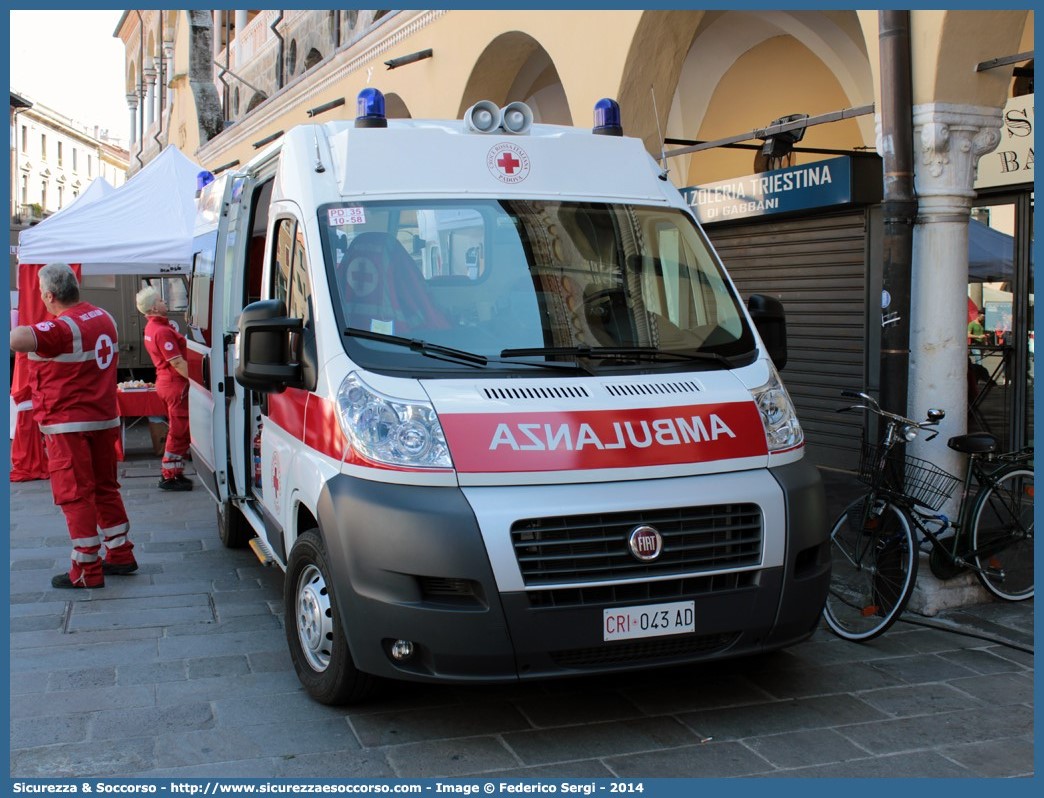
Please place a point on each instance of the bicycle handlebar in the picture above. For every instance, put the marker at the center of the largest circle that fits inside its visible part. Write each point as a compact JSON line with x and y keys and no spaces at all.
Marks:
{"x":871,"y":404}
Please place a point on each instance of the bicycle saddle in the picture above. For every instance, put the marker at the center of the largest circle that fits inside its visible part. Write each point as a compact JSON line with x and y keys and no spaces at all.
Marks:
{"x":973,"y":443}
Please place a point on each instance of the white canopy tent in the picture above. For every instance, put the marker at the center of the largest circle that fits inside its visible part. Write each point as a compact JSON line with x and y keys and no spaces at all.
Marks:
{"x":143,"y":227}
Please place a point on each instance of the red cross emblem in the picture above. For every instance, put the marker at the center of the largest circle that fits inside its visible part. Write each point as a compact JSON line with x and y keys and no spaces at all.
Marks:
{"x":104,"y":351}
{"x":508,"y":163}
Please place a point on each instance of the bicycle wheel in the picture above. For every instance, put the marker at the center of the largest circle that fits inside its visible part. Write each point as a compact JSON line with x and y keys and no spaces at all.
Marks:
{"x":1002,"y":536}
{"x":873,"y":558}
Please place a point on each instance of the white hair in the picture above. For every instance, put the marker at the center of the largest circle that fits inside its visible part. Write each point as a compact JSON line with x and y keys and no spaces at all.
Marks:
{"x":146,"y":299}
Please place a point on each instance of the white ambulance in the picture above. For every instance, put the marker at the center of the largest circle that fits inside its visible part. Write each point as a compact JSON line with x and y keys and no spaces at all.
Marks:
{"x":484,"y":391}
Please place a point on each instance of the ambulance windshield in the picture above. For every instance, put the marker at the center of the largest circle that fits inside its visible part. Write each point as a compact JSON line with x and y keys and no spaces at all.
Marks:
{"x":615,"y":286}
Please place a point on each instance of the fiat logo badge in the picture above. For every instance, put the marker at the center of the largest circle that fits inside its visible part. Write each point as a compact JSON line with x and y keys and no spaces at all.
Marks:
{"x":645,"y":543}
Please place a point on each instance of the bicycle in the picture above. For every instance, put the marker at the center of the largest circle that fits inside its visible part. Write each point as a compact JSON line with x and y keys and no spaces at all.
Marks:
{"x":877,"y":540}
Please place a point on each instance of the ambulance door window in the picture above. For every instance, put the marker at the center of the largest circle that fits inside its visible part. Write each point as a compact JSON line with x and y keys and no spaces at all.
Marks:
{"x":284,"y":258}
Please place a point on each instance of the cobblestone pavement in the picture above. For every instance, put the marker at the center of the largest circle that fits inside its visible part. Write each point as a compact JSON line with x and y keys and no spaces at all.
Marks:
{"x":182,"y":670}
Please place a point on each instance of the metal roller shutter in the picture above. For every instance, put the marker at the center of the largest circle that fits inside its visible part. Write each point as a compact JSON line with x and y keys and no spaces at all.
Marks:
{"x":817,"y":267}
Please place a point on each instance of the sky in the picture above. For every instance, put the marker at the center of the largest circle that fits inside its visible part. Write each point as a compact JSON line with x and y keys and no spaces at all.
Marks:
{"x":70,"y":61}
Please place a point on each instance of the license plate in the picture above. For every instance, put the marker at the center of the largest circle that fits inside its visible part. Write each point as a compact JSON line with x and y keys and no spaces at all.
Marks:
{"x":652,"y":620}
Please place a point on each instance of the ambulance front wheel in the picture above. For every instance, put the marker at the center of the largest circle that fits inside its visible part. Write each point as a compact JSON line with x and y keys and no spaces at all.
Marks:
{"x":318,"y":646}
{"x":233,"y":528}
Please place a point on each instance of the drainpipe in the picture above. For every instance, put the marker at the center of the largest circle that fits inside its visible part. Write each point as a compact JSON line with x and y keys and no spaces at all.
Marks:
{"x":899,"y":207}
{"x":141,"y":90}
{"x":281,"y":62}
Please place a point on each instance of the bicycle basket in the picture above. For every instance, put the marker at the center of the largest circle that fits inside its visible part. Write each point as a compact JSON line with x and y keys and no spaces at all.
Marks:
{"x":923,"y":482}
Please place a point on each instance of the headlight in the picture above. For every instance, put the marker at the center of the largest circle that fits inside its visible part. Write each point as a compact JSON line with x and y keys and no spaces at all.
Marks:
{"x":391,"y":431}
{"x":782,"y":430}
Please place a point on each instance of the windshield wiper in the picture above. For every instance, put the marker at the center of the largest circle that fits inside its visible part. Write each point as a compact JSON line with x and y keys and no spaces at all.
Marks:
{"x":440,"y":352}
{"x":619,"y":352}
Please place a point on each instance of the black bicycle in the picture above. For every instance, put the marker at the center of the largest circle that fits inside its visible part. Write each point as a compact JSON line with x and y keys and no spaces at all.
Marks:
{"x":877,"y":540}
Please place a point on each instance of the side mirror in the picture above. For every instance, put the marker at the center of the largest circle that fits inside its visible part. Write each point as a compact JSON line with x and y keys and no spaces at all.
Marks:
{"x":265,"y":363}
{"x":771,"y":321}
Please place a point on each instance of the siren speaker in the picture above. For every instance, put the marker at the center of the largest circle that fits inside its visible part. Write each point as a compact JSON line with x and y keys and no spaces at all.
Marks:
{"x":482,"y":117}
{"x":516,"y":117}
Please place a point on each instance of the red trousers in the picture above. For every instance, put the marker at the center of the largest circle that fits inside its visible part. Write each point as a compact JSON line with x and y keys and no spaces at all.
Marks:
{"x":84,"y":483}
{"x":175,"y":396}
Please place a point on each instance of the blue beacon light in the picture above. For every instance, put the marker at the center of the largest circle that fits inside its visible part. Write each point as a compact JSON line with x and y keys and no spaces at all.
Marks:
{"x":607,"y":118}
{"x":369,"y":107}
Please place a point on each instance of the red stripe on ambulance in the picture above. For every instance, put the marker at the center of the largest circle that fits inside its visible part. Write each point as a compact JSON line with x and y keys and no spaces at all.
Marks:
{"x":487,"y":442}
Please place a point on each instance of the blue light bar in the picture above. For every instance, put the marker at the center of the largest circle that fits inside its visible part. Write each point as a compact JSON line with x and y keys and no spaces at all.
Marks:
{"x":203,"y":179}
{"x":369,"y":108}
{"x":607,"y":118}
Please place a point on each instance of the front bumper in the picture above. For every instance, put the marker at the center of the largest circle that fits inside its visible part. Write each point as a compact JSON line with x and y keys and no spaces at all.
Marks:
{"x":412,"y":563}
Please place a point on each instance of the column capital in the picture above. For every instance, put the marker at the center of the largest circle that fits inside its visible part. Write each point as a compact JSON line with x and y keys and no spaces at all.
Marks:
{"x":949,"y":140}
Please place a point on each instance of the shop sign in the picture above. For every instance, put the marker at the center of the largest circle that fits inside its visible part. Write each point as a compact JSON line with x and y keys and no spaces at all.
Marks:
{"x":796,"y":188}
{"x":1012,"y":161}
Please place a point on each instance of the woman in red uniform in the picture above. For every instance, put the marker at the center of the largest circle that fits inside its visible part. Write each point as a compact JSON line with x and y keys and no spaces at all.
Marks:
{"x":166,"y":347}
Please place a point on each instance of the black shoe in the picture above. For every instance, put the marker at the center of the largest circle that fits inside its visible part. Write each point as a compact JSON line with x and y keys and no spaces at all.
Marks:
{"x":175,"y":484}
{"x":63,"y":580}
{"x":184,"y":481}
{"x":112,"y":569}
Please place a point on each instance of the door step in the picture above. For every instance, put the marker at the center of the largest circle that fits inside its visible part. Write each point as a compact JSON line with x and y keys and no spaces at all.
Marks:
{"x":262,"y":550}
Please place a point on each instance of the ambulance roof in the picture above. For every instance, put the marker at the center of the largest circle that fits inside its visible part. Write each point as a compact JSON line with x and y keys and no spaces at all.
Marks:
{"x":445,"y":158}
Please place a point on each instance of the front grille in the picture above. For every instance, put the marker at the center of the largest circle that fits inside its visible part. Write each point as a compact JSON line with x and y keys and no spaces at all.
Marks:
{"x":621,"y":653}
{"x":641,"y":592}
{"x":590,"y":548}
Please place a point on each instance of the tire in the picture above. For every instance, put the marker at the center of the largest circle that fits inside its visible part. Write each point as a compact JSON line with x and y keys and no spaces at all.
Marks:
{"x":1002,"y":536}
{"x":233,"y":528}
{"x":318,"y":646}
{"x":873,"y":570}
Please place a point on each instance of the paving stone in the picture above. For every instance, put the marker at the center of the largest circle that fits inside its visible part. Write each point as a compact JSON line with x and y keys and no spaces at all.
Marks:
{"x":801,"y":683}
{"x":927,"y":764}
{"x":435,"y":724}
{"x":982,"y":661}
{"x":945,"y":729}
{"x":32,"y":731}
{"x":922,"y":699}
{"x":780,"y":716}
{"x":150,"y":722}
{"x":597,"y":740}
{"x":81,"y":678}
{"x":921,"y":668}
{"x":68,"y":702}
{"x":83,"y":760}
{"x":709,"y":760}
{"x":804,"y":748}
{"x":450,"y":758}
{"x":563,"y":710}
{"x":256,"y":687}
{"x":84,"y":655}
{"x":700,"y":693}
{"x":1005,"y":758}
{"x":154,"y":673}
{"x":585,"y":769}
{"x":998,"y":689}
{"x":265,"y":661}
{"x":130,"y":618}
{"x":231,"y":665}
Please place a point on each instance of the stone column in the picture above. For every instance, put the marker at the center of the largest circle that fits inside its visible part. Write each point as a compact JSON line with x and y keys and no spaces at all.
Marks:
{"x":241,"y":24}
{"x":948,"y":141}
{"x":148,"y":74}
{"x":168,"y":72}
{"x":132,"y":104}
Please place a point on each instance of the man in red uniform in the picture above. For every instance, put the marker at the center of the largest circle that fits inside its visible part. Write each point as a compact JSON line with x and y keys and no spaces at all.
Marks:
{"x":73,"y":380}
{"x":166,"y":346}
